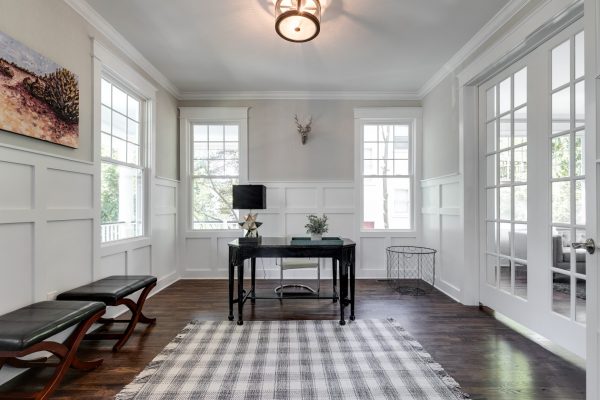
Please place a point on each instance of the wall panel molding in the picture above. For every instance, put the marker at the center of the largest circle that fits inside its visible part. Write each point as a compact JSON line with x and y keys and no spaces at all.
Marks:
{"x":204,"y":253}
{"x":441,"y":213}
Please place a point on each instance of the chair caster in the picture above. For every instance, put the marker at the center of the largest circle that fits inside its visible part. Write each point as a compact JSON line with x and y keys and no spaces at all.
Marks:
{"x":342,"y":322}
{"x":230,"y":317}
{"x":352,"y":318}
{"x":240,"y":322}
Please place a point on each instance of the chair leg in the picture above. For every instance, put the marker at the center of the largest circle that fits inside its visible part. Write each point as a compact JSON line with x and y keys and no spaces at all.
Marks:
{"x":318,"y":276}
{"x":136,"y":316}
{"x":281,"y":280}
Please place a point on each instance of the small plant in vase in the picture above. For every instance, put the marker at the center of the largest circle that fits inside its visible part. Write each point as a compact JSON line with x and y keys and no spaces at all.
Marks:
{"x":316,"y":226}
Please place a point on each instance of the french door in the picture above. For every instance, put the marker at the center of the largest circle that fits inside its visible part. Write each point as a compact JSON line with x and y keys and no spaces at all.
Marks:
{"x":534,"y":161}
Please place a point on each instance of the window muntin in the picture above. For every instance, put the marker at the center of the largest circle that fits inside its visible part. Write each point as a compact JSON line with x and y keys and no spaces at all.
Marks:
{"x":215,"y":158}
{"x":506,"y":184}
{"x":387,"y":176}
{"x":122,"y":163}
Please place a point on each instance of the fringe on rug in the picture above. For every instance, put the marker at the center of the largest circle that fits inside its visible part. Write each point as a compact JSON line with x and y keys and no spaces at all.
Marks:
{"x":131,"y":390}
{"x":429,"y":361}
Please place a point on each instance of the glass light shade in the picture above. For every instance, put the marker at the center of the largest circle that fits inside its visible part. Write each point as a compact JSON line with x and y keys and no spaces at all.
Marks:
{"x":298,"y":20}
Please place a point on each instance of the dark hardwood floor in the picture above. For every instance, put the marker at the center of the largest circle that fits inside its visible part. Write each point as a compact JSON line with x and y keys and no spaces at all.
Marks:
{"x":488,"y":359}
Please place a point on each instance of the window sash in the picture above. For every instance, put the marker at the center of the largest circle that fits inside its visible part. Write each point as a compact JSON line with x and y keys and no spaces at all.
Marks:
{"x":141,"y":166}
{"x":141,"y":121}
{"x":229,"y":223}
{"x":411,"y":169}
{"x":141,"y":202}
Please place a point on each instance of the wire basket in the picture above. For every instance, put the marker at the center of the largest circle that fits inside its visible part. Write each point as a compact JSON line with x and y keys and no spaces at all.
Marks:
{"x":411,"y":269}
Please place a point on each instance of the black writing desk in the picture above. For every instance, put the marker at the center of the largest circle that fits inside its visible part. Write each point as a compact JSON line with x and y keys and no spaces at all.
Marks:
{"x":341,"y":251}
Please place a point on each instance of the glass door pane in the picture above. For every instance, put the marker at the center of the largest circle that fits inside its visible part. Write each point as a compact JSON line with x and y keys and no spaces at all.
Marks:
{"x":568,"y":269}
{"x":506,"y":184}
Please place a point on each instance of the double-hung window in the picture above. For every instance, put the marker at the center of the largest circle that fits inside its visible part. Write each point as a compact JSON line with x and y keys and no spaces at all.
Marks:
{"x":214,"y":158}
{"x":123,"y":162}
{"x":387,"y":174}
{"x":215,"y":169}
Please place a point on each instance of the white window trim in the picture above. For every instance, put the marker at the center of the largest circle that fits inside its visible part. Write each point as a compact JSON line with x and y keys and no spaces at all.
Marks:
{"x":108,"y":64}
{"x":189,"y":116}
{"x":412,"y":116}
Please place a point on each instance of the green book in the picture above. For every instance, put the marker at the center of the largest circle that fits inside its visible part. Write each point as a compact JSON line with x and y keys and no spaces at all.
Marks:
{"x":326,"y":241}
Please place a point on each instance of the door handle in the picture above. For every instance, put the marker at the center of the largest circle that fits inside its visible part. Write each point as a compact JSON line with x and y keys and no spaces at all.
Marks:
{"x":589,"y":245}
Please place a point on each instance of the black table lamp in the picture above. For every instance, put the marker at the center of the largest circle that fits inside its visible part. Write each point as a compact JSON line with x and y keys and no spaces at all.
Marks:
{"x":250,"y":197}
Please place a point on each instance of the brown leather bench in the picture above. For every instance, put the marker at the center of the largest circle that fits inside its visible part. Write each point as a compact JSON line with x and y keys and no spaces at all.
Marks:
{"x":25,"y":331}
{"x":113,"y":291}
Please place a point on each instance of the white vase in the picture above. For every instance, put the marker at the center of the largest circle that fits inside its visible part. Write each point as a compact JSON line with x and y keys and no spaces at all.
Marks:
{"x":316,"y":236}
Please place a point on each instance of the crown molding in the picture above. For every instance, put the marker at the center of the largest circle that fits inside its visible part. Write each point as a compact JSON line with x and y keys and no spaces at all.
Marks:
{"x":299,"y":95}
{"x":486,"y":32}
{"x":104,"y":27}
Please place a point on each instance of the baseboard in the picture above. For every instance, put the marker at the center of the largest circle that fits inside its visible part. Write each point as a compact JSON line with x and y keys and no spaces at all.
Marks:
{"x":448,"y":290}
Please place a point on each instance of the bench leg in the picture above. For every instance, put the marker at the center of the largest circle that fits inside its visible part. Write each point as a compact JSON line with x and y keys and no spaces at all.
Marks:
{"x":65,"y":352}
{"x":137,"y":316}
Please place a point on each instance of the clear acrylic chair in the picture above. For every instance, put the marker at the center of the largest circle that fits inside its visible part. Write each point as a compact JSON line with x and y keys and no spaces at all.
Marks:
{"x":286,"y":264}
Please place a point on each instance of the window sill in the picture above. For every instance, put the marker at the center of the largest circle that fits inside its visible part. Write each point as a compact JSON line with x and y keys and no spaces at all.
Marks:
{"x":389,"y":232}
{"x":120,"y":246}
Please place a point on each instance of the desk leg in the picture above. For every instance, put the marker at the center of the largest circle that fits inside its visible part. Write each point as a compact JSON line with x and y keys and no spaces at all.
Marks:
{"x":253,"y":275}
{"x":334,"y":266}
{"x":231,"y":279}
{"x":352,"y":284}
{"x":240,"y":293}
{"x":343,"y":289}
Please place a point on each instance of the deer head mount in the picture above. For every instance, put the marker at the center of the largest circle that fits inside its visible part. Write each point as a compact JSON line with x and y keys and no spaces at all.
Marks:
{"x":303,"y":130}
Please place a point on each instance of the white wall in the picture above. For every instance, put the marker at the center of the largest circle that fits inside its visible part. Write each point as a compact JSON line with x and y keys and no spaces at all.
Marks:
{"x":442,"y":230}
{"x":440,"y":130}
{"x":275,"y":151}
{"x":49,"y":201}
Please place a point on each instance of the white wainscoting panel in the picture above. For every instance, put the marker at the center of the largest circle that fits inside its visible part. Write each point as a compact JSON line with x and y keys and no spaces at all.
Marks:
{"x":68,"y":250}
{"x":205,"y":253}
{"x":300,"y":197}
{"x":199,"y":256}
{"x":442,"y":230}
{"x":77,"y":190}
{"x":372,"y":253}
{"x":113,"y":264}
{"x":338,"y":197}
{"x":16,"y":268}
{"x":16,"y":181}
{"x":139,"y":262}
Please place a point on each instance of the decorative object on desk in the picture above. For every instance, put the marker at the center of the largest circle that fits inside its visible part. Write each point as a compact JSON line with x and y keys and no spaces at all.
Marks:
{"x":409,"y":267}
{"x":303,"y":130}
{"x":38,"y":98}
{"x":316,"y":226}
{"x":250,"y":197}
{"x":325,"y":354}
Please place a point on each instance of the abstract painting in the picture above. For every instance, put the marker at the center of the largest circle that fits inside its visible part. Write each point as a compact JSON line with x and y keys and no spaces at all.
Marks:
{"x":38,"y":98}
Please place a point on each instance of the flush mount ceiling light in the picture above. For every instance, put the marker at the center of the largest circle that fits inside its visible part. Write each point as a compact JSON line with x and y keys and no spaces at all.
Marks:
{"x":298,"y":20}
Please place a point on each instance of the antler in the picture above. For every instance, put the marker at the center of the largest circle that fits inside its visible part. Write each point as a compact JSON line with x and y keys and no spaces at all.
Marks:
{"x":303,"y":130}
{"x":298,"y":124}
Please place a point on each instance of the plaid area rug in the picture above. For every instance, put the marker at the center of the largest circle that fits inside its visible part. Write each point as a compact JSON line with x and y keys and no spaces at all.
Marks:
{"x":366,"y":359}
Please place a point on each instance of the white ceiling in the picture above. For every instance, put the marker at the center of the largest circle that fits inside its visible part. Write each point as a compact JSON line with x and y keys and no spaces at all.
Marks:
{"x":231,"y":45}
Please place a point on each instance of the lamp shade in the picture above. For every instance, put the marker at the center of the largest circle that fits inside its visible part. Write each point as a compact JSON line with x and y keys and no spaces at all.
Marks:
{"x":249,"y":197}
